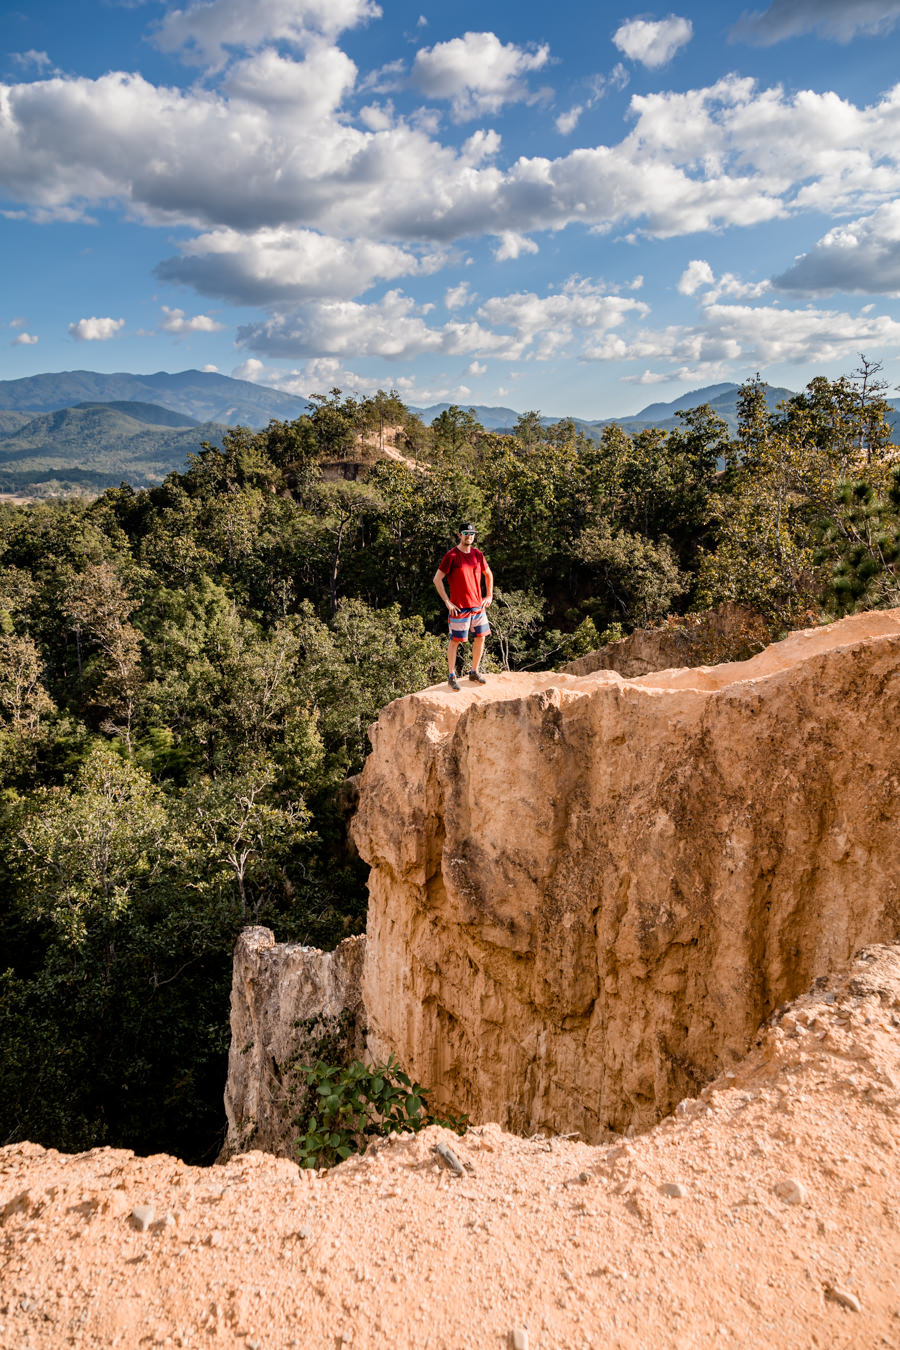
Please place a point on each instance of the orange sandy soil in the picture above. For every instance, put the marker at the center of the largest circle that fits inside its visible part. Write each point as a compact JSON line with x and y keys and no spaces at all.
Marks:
{"x":787,"y":1233}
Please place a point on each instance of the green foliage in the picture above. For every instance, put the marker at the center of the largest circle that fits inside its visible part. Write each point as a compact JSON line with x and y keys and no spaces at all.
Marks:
{"x":347,"y":1106}
{"x":801,"y":516}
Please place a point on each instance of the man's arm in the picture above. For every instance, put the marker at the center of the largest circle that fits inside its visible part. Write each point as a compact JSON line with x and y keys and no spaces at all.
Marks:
{"x":442,"y":592}
{"x":488,"y":583}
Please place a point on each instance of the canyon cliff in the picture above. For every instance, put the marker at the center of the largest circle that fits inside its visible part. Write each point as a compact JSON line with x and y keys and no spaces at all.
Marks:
{"x":588,"y":892}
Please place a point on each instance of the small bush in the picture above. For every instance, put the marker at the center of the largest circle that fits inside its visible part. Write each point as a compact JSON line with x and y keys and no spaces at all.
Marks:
{"x":349,"y":1105}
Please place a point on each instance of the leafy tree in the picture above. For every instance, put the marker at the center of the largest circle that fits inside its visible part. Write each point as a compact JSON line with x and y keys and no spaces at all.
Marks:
{"x":638,"y":580}
{"x":515,"y":618}
{"x":82,"y":850}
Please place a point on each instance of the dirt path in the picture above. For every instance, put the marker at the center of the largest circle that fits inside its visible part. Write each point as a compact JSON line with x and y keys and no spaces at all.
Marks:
{"x":766,"y":1213}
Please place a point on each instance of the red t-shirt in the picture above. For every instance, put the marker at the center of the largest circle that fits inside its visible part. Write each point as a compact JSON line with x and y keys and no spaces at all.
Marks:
{"x":464,"y":572}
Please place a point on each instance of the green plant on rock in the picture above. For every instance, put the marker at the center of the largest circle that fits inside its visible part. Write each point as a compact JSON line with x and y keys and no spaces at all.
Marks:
{"x":347,"y":1106}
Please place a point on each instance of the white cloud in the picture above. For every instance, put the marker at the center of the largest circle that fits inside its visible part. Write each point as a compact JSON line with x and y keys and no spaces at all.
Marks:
{"x":329,"y":372}
{"x":177,"y":322}
{"x":210,"y":369}
{"x":311,"y":88}
{"x":18,"y":322}
{"x":251,"y":369}
{"x":697,"y":273}
{"x":24,"y":340}
{"x":95,"y":330}
{"x":390,"y":328}
{"x":205,"y":28}
{"x":550,"y":323}
{"x":39,"y":60}
{"x":477,"y":72}
{"x":395,"y":328}
{"x":568,"y":121}
{"x":835,"y":19}
{"x":457,"y":296}
{"x":862,"y":256}
{"x":752,"y":335}
{"x":730,"y":154}
{"x":282,"y":265}
{"x":476,"y":368}
{"x":377,"y":117}
{"x":653,"y":42}
{"x":513,"y":245}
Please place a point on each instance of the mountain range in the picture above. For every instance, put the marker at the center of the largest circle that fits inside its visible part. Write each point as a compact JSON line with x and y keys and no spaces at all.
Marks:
{"x":92,"y":446}
{"x":83,"y":430}
{"x":722,"y":398}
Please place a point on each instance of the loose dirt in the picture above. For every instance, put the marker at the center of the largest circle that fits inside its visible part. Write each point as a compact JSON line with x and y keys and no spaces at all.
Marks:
{"x":764,"y":1213}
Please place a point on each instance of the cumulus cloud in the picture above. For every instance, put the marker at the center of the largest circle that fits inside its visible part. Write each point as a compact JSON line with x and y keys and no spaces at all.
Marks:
{"x":835,"y":19}
{"x":95,"y":330}
{"x":311,"y":88}
{"x":512,"y":245}
{"x":861,"y":257}
{"x":653,"y":42}
{"x":752,"y":335}
{"x":24,"y":340}
{"x":210,"y":369}
{"x":476,"y":368}
{"x":697,"y":273}
{"x":395,"y":328}
{"x":251,"y":369}
{"x":568,"y":121}
{"x":731,"y":154}
{"x":457,"y":296}
{"x":281,"y":265}
{"x":204,"y":29}
{"x":477,"y":72}
{"x":390,"y":328}
{"x":177,"y":322}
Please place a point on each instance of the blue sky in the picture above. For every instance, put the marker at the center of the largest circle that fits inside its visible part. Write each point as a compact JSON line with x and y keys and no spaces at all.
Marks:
{"x":575,"y":209}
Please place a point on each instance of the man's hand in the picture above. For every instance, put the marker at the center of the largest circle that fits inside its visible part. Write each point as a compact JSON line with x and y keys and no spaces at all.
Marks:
{"x":454,"y":610}
{"x":488,"y":599}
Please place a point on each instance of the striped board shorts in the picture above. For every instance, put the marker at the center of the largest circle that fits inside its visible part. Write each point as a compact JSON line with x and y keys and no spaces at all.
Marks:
{"x":466,"y":620}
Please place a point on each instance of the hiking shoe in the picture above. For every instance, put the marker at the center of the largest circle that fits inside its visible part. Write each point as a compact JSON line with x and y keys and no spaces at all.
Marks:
{"x":477,"y":677}
{"x":453,"y":682}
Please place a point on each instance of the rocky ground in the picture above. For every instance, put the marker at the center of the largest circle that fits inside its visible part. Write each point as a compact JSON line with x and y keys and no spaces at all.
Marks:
{"x":765,"y":1213}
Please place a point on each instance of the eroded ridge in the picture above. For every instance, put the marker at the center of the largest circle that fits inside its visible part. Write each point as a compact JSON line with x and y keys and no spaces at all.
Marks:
{"x":762,"y":1213}
{"x":587,"y":892}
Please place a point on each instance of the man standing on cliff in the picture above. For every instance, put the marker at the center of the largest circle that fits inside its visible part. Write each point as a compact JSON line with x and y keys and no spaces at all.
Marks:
{"x":463,"y":567}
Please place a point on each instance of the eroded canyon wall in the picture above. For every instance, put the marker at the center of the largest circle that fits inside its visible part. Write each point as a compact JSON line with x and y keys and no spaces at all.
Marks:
{"x":286,"y":1000}
{"x":587,"y":892}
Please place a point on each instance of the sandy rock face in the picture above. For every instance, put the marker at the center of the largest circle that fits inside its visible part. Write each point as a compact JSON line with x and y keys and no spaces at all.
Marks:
{"x":728,"y":632}
{"x":587,"y":892}
{"x":282,"y":996}
{"x":763,"y":1213}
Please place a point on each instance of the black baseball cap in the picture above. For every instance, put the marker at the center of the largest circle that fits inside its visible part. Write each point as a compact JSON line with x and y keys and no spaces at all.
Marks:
{"x":467,"y":529}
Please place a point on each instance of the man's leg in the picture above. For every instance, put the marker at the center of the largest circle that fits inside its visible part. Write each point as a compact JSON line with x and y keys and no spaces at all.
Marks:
{"x":452,"y":646}
{"x":477,"y":649}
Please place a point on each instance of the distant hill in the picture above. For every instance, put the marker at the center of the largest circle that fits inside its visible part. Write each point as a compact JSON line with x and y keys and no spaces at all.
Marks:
{"x":11,"y":421}
{"x":722,"y":398}
{"x":84,"y":430}
{"x":98,"y":445}
{"x":199,"y":394}
{"x":492,"y":419}
{"x":151,"y":413}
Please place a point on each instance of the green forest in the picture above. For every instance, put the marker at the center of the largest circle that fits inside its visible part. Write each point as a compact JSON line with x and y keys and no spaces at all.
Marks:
{"x":188,"y":672}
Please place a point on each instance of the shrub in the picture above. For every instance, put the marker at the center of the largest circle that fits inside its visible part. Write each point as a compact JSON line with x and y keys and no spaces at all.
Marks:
{"x":349,"y":1105}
